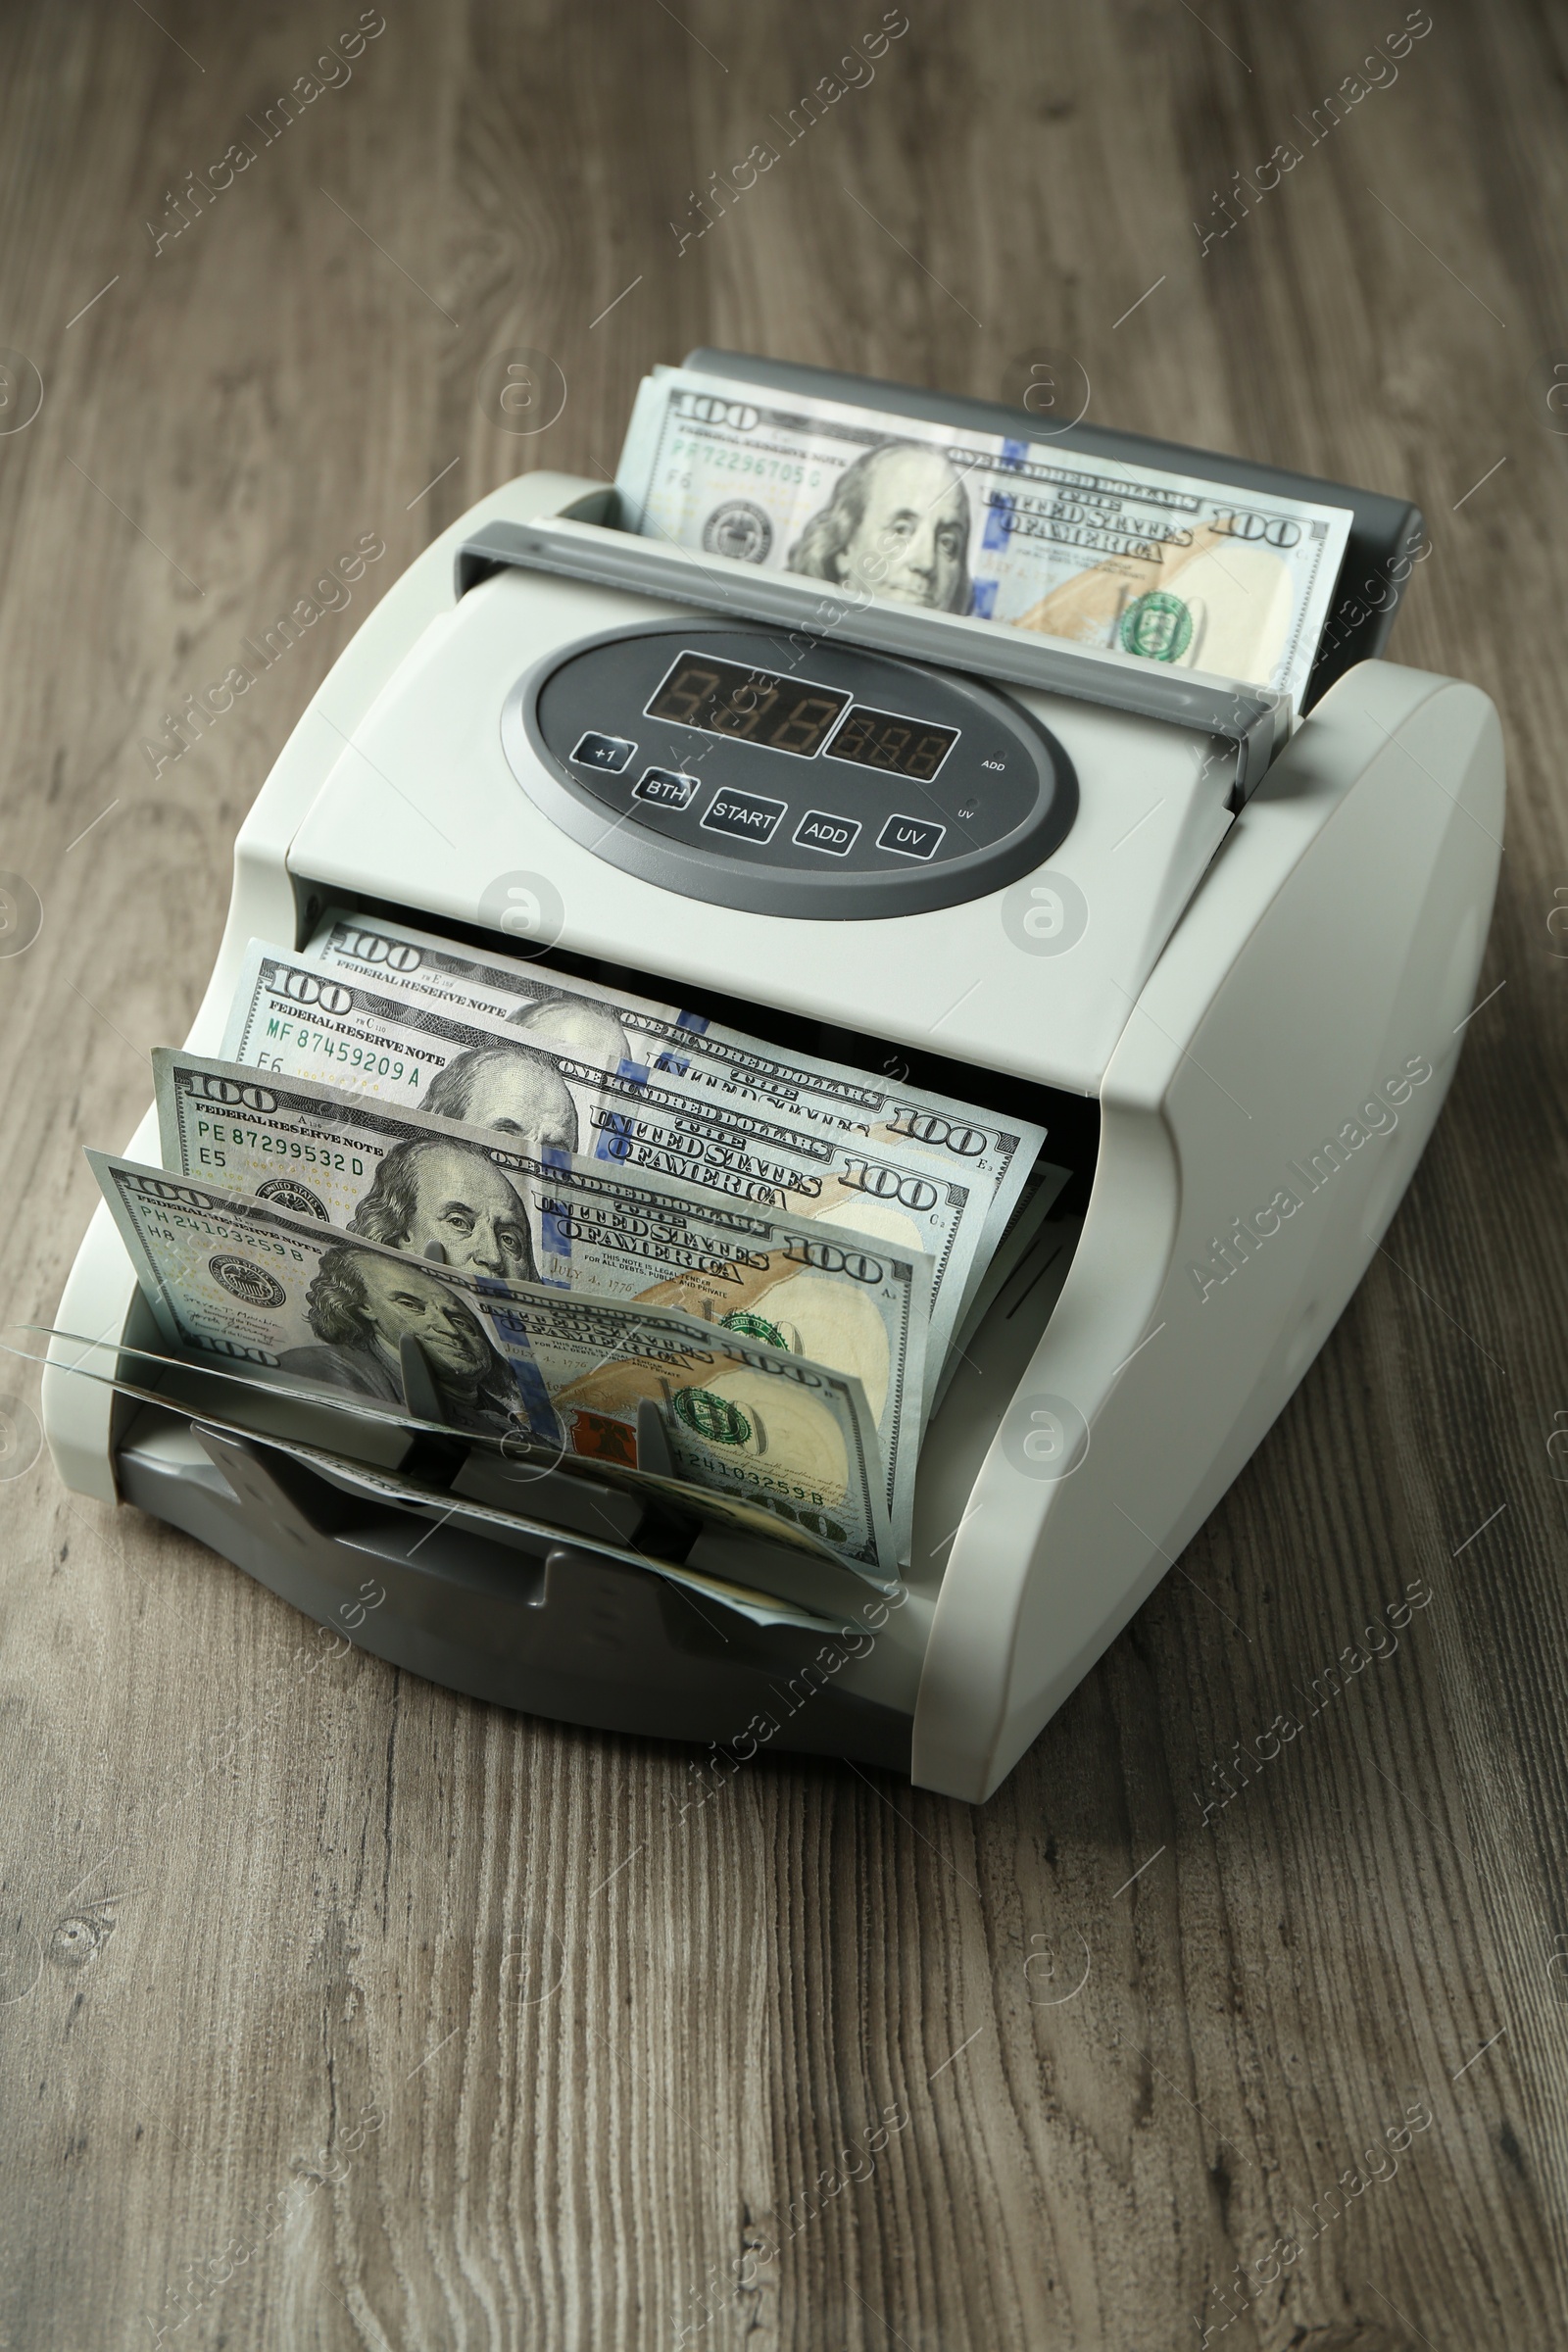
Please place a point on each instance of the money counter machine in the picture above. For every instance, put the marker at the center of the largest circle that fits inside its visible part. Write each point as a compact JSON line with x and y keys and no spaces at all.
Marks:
{"x":1219,"y":949}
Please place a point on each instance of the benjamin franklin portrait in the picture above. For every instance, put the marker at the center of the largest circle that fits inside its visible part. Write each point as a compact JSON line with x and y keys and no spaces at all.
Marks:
{"x":514,"y":1088}
{"x":581,"y":1026}
{"x":896,"y":525}
{"x":362,"y":1306}
{"x":450,"y":1203}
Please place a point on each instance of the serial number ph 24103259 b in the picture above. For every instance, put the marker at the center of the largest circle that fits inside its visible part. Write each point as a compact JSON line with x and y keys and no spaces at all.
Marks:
{"x":175,"y":1221}
{"x":399,"y":1067}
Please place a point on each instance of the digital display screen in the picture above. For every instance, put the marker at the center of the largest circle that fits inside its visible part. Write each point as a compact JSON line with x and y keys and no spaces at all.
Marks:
{"x":901,"y":747}
{"x":724,"y":697}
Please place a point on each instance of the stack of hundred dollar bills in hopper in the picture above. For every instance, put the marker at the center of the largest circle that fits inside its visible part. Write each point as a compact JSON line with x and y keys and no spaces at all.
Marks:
{"x":595,"y":1246}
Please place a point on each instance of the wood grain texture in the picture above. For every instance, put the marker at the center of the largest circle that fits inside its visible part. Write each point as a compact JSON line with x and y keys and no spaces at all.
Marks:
{"x":339,"y":2011}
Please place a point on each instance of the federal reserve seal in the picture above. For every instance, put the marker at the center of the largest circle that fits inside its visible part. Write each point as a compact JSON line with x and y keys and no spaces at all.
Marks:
{"x":1157,"y":625}
{"x":712,"y":1417}
{"x":739,"y":530}
{"x":246,"y":1281}
{"x":291,"y":1194}
{"x":753,"y":1326}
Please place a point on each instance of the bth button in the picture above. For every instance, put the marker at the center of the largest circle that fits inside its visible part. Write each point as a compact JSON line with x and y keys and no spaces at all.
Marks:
{"x":819,"y":829}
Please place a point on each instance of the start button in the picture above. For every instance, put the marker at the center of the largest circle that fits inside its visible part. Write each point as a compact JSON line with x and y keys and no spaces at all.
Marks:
{"x":745,"y":813}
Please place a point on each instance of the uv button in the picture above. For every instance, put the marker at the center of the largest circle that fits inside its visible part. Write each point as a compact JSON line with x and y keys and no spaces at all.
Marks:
{"x":819,"y":829}
{"x":911,"y":836}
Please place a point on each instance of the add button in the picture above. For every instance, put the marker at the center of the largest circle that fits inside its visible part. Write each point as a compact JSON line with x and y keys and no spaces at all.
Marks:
{"x":819,"y":829}
{"x":911,"y":836}
{"x":742,"y":812}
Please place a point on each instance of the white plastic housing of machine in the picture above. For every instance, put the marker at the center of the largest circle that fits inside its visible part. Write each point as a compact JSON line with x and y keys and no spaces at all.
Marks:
{"x":1260,"y":992}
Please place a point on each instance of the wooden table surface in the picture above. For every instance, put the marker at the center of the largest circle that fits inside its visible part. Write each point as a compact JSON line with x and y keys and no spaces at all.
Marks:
{"x":338,"y":2009}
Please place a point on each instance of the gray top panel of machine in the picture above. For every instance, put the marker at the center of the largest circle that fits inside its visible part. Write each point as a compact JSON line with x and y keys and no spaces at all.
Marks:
{"x":605,"y":737}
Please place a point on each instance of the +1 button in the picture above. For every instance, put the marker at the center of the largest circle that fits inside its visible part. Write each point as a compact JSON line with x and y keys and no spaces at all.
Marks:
{"x":911,"y":836}
{"x":610,"y":753}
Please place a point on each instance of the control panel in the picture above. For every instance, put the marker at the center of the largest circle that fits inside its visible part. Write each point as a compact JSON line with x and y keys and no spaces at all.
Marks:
{"x":773,"y":770}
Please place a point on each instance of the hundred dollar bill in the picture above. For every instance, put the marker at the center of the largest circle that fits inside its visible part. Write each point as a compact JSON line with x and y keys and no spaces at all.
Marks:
{"x":686,"y":1052}
{"x":466,"y":1197}
{"x":1003,"y":527}
{"x":233,"y":1277}
{"x":304,"y":1019}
